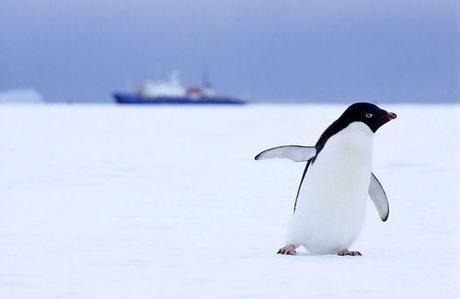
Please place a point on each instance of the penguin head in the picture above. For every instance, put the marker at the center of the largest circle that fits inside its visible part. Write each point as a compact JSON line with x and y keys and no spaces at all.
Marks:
{"x":368,"y":113}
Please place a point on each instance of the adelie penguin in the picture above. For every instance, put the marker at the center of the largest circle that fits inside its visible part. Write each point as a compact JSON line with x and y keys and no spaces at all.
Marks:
{"x":330,"y":205}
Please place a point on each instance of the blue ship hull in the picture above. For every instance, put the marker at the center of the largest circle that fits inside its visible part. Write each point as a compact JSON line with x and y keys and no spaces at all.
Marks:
{"x":127,"y":98}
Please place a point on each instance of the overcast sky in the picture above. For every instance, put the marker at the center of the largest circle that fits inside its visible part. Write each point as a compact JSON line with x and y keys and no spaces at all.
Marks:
{"x":265,"y":49}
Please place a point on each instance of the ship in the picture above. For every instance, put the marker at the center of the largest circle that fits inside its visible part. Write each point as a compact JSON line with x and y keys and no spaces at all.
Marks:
{"x":173,"y":92}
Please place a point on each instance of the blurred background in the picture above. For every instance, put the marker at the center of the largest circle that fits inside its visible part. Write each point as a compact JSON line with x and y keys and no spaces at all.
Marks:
{"x":277,"y":51}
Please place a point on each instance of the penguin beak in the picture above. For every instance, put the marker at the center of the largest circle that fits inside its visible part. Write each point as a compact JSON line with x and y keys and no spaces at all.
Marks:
{"x":391,"y":115}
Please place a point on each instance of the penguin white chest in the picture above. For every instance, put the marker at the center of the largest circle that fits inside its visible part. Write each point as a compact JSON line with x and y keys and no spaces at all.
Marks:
{"x":332,"y":200}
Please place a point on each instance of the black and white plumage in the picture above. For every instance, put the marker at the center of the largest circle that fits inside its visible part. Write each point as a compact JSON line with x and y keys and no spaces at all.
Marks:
{"x":331,"y":200}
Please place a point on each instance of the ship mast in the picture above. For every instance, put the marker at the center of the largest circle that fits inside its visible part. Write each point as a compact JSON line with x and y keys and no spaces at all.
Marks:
{"x":205,"y":80}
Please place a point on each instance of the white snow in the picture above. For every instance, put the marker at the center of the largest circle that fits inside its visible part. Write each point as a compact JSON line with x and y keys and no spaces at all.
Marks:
{"x":164,"y":202}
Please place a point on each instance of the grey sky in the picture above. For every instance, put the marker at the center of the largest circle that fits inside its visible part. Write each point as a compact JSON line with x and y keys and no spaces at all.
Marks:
{"x":320,"y":50}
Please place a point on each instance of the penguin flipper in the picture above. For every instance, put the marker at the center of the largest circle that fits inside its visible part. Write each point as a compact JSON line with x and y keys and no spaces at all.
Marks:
{"x":296,"y":153}
{"x":379,"y":198}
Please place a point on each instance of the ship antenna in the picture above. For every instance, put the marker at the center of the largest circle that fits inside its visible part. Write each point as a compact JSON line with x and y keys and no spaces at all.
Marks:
{"x":204,"y":79}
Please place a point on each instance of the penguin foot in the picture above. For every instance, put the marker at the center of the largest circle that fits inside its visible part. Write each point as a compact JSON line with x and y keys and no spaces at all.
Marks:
{"x":351,"y":253}
{"x":287,"y":250}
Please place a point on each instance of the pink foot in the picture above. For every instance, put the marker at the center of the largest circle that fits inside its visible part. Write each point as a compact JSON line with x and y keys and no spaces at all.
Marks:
{"x":287,"y":250}
{"x":351,"y":253}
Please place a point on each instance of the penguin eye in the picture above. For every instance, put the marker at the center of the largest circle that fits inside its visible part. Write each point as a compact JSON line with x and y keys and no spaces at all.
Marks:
{"x":369,"y":115}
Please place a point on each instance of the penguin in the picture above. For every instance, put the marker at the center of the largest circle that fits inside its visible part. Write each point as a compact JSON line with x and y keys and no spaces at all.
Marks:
{"x":331,"y":199}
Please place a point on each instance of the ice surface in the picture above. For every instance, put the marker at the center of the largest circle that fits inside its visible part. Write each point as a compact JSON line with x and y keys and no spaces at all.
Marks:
{"x":162,"y":202}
